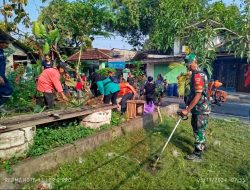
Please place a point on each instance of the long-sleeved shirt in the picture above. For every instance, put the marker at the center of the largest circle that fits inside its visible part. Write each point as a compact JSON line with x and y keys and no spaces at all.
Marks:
{"x":49,"y":80}
{"x":107,"y":86}
{"x":2,"y":63}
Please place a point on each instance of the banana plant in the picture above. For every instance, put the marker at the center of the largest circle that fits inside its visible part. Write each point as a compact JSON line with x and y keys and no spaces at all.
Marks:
{"x":47,"y":39}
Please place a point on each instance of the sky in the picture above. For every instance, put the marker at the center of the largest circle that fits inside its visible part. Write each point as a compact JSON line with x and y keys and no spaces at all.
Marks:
{"x":33,"y":8}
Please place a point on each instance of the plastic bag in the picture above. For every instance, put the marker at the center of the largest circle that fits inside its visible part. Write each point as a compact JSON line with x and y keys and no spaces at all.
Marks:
{"x":149,"y":108}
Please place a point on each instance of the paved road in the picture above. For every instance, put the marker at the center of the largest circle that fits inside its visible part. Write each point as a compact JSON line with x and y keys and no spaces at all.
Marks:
{"x":228,"y":109}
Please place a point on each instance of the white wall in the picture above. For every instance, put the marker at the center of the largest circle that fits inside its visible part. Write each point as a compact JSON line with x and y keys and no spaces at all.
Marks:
{"x":150,"y":69}
{"x":177,"y":46}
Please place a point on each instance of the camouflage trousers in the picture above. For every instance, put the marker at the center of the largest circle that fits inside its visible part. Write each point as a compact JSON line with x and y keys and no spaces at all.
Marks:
{"x":199,"y":124}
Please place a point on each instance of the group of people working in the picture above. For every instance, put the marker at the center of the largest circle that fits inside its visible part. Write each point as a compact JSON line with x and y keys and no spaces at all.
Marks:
{"x":106,"y":87}
{"x":197,"y":101}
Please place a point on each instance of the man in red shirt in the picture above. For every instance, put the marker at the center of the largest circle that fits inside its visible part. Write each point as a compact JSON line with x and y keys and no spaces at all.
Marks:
{"x":49,"y":81}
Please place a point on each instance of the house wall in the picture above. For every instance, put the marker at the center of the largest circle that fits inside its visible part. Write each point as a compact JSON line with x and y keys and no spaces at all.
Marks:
{"x":168,"y":73}
{"x":177,"y":46}
{"x":160,"y":69}
{"x":150,"y":69}
{"x":154,"y":69}
{"x":16,"y":51}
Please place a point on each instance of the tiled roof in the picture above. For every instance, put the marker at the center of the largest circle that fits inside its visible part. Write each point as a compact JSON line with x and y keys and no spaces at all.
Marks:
{"x":91,"y":54}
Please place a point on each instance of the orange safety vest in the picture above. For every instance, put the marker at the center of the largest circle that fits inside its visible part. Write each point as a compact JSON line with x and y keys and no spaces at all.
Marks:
{"x":124,"y":89}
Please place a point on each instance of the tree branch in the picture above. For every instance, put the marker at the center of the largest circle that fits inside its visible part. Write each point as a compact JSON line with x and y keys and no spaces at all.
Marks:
{"x":228,"y":31}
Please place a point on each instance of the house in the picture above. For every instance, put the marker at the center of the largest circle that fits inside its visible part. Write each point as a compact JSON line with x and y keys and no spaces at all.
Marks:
{"x":231,"y":70}
{"x":155,"y":64}
{"x":227,"y":68}
{"x":92,"y":59}
{"x":17,"y":54}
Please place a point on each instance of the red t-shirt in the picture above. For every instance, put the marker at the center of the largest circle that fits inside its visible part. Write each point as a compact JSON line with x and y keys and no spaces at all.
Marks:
{"x":49,"y":80}
{"x":78,"y":86}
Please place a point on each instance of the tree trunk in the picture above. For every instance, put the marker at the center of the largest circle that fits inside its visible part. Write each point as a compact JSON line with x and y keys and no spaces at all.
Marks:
{"x":79,"y":60}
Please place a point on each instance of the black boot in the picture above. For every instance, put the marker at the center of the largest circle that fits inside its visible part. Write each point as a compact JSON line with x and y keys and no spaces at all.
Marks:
{"x":195,"y":156}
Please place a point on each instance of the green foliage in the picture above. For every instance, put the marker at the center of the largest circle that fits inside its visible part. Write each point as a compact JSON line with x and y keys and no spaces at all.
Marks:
{"x":50,"y":137}
{"x":37,"y":68}
{"x":166,"y":20}
{"x":159,"y":90}
{"x":36,"y":29}
{"x":46,"y":48}
{"x":54,"y":36}
{"x":134,"y":19}
{"x":7,"y":164}
{"x":15,"y":9}
{"x":117,"y":118}
{"x":197,"y":23}
{"x":45,"y":39}
{"x":137,"y":72}
{"x":7,"y":167}
{"x":24,"y":92}
{"x":104,"y":72}
{"x":78,"y":19}
{"x":183,"y":87}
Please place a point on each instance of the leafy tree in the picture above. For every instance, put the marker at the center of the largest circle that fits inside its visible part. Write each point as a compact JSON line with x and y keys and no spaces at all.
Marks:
{"x":197,"y":23}
{"x":134,"y":19}
{"x":14,"y":9}
{"x":78,"y":21}
{"x":165,"y":20}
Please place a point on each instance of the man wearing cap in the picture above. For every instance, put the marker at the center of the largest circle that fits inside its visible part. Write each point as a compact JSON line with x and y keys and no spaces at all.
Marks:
{"x":5,"y":88}
{"x":49,"y":81}
{"x":198,"y":104}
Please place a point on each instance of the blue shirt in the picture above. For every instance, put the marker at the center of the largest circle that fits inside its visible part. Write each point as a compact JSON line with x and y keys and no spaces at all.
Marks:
{"x":2,"y":64}
{"x":6,"y":88}
{"x":46,"y":65}
{"x":158,"y":82}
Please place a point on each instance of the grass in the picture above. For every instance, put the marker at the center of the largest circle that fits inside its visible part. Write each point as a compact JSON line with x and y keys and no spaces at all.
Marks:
{"x":123,"y":163}
{"x":51,"y":137}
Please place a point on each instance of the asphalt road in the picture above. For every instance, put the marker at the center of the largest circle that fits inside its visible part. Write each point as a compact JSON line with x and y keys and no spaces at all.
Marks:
{"x":227,"y":109}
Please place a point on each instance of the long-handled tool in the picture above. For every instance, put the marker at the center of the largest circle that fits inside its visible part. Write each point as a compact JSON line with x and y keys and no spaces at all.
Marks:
{"x":182,"y":117}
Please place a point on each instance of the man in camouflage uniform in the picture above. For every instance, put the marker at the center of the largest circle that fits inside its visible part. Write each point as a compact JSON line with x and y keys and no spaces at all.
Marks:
{"x":198,"y":104}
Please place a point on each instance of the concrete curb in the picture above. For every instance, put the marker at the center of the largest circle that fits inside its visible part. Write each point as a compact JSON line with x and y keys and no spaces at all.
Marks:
{"x":24,"y":170}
